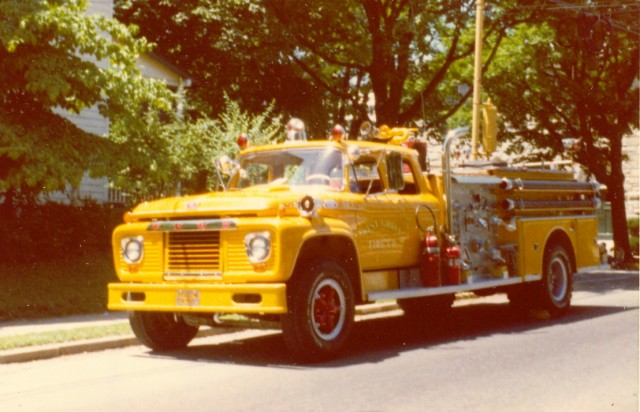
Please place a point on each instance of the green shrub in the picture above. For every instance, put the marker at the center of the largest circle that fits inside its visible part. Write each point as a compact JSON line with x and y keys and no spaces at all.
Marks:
{"x":56,"y":259}
{"x":53,"y":231}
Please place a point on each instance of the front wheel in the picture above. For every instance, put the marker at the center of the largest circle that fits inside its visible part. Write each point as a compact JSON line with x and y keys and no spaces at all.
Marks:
{"x":557,"y":284}
{"x":161,"y":331}
{"x":321,"y":312}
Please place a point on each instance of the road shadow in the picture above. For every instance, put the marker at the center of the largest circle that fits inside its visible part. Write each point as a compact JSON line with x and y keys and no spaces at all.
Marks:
{"x":389,"y":338}
{"x":376,"y":340}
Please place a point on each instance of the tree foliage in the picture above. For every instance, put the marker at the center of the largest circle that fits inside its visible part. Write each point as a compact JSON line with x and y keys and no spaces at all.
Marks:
{"x":411,"y":56}
{"x":573,"y":73}
{"x":321,"y":60}
{"x":228,"y":49}
{"x":177,"y":155}
{"x":48,"y":56}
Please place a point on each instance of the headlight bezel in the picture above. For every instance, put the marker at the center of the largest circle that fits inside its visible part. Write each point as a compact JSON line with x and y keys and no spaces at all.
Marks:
{"x":258,"y":246}
{"x":132,"y":249}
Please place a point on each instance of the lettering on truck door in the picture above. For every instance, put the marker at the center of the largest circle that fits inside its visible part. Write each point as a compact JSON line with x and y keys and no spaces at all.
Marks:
{"x":404,"y":203}
{"x":377,"y":234}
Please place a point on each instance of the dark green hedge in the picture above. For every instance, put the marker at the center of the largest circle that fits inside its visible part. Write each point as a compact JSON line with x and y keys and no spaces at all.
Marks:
{"x":52,"y":231}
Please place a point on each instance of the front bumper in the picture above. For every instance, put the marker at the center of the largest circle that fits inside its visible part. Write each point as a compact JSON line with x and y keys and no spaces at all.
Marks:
{"x":200,"y":298}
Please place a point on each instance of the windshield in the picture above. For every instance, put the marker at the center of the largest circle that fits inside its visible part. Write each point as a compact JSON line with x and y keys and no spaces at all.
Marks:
{"x":293,"y":167}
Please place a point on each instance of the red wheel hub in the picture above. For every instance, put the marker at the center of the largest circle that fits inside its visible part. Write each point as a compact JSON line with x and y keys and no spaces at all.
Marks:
{"x":326,"y":309}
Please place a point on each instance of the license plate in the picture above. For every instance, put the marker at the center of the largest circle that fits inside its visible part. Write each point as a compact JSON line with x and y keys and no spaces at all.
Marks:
{"x":185,"y":297}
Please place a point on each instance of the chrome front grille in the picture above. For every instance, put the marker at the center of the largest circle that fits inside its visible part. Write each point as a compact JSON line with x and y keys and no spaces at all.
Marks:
{"x":193,"y":254}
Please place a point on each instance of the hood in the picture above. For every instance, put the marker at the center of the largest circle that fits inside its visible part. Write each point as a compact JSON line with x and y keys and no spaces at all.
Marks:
{"x":256,"y":201}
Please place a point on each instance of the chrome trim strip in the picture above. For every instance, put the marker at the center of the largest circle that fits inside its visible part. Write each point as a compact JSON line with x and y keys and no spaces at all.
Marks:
{"x":564,"y":217}
{"x":192,"y":225}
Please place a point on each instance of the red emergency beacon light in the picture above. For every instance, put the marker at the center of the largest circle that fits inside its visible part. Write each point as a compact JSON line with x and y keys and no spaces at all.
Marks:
{"x":242,"y":141}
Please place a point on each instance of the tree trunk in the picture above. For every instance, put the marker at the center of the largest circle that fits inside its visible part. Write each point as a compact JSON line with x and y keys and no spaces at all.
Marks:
{"x":615,"y":184}
{"x":613,"y":177}
{"x":619,"y":219}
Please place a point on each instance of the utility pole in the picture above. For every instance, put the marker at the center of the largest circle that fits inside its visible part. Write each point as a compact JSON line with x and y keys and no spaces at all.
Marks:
{"x":477,"y":80}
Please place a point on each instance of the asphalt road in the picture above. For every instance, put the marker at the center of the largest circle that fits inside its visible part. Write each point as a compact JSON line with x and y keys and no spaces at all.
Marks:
{"x":484,"y":358}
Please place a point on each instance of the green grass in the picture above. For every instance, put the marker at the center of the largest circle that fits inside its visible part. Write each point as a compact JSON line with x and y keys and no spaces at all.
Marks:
{"x":60,"y":336}
{"x":64,"y":287}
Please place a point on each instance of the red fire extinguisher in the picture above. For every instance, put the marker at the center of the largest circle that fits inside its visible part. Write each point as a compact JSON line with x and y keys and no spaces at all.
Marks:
{"x":452,"y":269}
{"x":430,"y":261}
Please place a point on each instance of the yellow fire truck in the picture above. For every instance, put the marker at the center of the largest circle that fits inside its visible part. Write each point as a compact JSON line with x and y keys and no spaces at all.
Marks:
{"x":308,"y":230}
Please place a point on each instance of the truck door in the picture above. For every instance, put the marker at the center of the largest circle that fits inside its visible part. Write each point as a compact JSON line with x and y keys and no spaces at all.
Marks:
{"x":382,"y":235}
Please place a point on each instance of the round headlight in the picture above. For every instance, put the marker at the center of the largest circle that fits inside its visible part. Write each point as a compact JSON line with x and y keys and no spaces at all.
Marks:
{"x":132,"y":249}
{"x":258,"y":246}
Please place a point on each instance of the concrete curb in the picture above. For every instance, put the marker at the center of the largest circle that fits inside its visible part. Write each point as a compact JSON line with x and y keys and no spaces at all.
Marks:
{"x":32,"y":353}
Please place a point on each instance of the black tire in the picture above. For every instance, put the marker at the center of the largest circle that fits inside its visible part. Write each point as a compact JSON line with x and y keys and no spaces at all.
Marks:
{"x":427,"y":308}
{"x":320,"y":312}
{"x":161,"y":331}
{"x":554,"y":292}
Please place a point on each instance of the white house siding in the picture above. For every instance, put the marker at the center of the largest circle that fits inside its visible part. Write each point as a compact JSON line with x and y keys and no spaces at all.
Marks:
{"x":151,"y":67}
{"x":90,"y":121}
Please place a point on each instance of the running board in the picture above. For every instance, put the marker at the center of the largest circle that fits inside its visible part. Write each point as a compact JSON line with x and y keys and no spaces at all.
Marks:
{"x":444,"y":290}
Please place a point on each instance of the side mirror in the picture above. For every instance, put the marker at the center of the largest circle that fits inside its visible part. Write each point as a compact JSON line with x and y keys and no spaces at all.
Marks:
{"x":225,"y":167}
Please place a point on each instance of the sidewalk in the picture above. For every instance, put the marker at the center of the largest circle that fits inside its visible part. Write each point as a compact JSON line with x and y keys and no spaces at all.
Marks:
{"x":23,"y":327}
{"x":39,"y":352}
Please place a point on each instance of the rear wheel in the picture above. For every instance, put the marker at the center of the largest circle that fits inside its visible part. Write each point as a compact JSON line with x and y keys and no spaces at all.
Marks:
{"x":320,"y":312}
{"x":554,"y":292}
{"x":161,"y":331}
